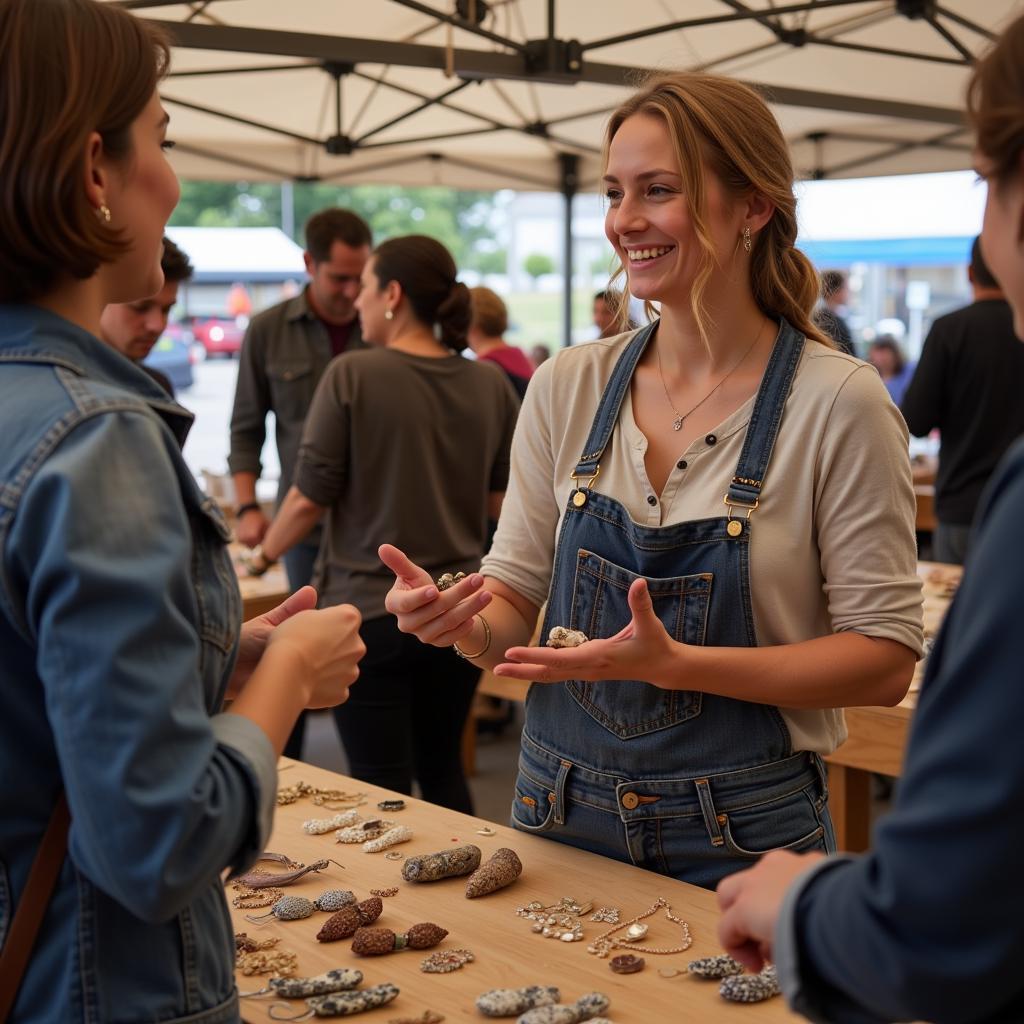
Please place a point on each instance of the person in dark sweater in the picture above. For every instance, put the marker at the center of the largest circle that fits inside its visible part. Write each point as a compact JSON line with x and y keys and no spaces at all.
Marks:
{"x":834,"y":292}
{"x":968,"y":385}
{"x":133,"y":328}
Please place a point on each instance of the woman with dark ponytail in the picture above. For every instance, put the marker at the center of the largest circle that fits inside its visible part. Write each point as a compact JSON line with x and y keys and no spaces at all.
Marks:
{"x":405,"y":441}
{"x":721,"y":502}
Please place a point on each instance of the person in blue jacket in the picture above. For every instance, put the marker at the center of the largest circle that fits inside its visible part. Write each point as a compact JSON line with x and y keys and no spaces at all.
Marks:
{"x":930,"y":924}
{"x":119,"y":607}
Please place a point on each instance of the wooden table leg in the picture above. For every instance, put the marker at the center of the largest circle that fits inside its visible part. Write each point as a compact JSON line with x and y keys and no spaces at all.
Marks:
{"x":850,"y":803}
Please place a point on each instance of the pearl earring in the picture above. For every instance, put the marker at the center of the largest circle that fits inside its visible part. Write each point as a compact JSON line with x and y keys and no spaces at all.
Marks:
{"x":746,"y":240}
{"x":103,"y":213}
{"x":388,"y":315}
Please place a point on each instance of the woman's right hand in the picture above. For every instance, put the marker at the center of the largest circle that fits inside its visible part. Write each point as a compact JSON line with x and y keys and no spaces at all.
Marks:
{"x":439,"y":618}
{"x":329,"y":648}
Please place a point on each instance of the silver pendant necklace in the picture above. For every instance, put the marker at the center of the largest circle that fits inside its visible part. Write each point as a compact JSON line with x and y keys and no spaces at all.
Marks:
{"x":680,"y":418}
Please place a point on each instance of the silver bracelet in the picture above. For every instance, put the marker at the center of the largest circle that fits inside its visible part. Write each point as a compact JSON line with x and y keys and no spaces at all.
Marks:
{"x":486,"y":647}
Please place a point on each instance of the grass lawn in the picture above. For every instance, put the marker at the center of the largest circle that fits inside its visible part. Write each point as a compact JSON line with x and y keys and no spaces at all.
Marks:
{"x":537,"y":316}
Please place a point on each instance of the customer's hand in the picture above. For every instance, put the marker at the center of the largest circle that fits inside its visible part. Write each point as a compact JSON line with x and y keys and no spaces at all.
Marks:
{"x":329,"y":648}
{"x":251,"y":527}
{"x":439,"y":618}
{"x":256,"y":632}
{"x":750,"y":902}
{"x":642,"y":650}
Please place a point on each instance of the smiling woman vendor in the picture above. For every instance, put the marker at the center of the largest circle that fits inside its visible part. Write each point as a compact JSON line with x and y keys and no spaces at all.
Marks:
{"x":721,"y":501}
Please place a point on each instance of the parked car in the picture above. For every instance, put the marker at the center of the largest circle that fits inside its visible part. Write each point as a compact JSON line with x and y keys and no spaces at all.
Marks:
{"x":172,"y":355}
{"x":220,"y":336}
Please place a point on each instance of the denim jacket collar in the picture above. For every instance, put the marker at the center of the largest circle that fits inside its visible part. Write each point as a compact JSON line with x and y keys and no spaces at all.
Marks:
{"x":32,"y":334}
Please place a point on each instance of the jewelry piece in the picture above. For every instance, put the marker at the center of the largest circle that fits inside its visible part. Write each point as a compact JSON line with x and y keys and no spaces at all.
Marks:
{"x":627,"y":964}
{"x":610,"y":915}
{"x":635,"y":932}
{"x":428,"y":1017}
{"x":361,"y":833}
{"x":394,"y":855}
{"x":670,"y":972}
{"x":444,"y":961}
{"x":103,"y":213}
{"x":446,"y":580}
{"x":393,"y":836}
{"x":280,"y":858}
{"x":483,"y":650}
{"x":507,"y":1002}
{"x":588,"y":1007}
{"x":680,"y":418}
{"x":715,"y":967}
{"x":320,"y":797}
{"x":746,"y":240}
{"x":320,"y":826}
{"x":256,"y":562}
{"x":605,"y":943}
{"x":486,"y":831}
{"x":562,"y":636}
{"x":384,"y":892}
{"x":254,"y":899}
{"x":347,"y":921}
{"x":388,"y":314}
{"x":378,"y":941}
{"x":391,"y":805}
{"x":561,"y":920}
{"x":502,"y":869}
{"x":243,"y":944}
{"x":431,"y":867}
{"x":257,"y":879}
{"x":751,"y":988}
{"x":280,"y":962}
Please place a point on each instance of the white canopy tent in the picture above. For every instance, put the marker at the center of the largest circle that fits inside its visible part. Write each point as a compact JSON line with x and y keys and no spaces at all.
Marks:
{"x":489,"y":94}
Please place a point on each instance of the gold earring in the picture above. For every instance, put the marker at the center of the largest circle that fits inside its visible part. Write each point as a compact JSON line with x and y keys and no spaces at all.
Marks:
{"x":103,"y":213}
{"x":388,"y":315}
{"x":746,"y":240}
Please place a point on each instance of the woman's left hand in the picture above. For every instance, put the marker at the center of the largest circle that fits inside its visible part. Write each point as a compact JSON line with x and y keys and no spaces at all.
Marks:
{"x":642,"y":650}
{"x":256,"y":632}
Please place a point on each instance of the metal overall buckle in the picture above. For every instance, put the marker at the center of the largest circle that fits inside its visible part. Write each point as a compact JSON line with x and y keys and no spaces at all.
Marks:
{"x":734,"y":527}
{"x":579,"y":498}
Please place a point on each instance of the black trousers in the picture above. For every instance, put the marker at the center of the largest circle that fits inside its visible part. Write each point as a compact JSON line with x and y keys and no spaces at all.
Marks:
{"x":404,"y":716}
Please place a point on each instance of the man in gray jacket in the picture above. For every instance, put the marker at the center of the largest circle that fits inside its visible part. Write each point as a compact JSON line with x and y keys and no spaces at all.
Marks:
{"x":285,"y":352}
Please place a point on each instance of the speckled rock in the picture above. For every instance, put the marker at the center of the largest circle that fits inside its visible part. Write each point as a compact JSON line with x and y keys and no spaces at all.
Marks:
{"x":585,"y":1008}
{"x":341,"y":979}
{"x":751,"y":988}
{"x":431,"y":867}
{"x":509,"y":1002}
{"x":715,"y":967}
{"x":502,"y":868}
{"x":344,"y":1004}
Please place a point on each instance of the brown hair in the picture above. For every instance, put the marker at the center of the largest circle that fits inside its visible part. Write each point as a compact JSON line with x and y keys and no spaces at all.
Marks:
{"x":995,"y":102}
{"x":722,"y":123}
{"x":426,"y":271}
{"x":69,"y":68}
{"x":332,"y":225}
{"x":490,"y":314}
{"x":175,"y":264}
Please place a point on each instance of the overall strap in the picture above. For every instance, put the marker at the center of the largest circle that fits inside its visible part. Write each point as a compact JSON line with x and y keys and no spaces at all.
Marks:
{"x":766,"y":418}
{"x":607,"y":414}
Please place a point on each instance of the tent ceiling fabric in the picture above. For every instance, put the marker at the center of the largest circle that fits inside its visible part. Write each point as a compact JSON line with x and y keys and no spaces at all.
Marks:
{"x":413,"y":93}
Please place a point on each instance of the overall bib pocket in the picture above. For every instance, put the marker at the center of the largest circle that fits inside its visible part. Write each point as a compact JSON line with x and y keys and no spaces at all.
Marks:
{"x":629,"y":707}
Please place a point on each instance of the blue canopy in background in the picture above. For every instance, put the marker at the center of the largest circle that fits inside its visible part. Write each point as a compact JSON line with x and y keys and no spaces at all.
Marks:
{"x":915,"y":252}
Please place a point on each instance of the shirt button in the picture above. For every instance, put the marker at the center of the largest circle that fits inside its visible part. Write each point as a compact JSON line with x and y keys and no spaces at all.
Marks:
{"x":630,"y":801}
{"x":711,"y":439}
{"x":651,"y":499}
{"x":681,"y":464}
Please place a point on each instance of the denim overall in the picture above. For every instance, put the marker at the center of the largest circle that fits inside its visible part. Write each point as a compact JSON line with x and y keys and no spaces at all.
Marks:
{"x":684,"y":783}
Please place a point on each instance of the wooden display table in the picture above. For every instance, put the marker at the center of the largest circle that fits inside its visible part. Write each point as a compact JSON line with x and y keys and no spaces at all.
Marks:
{"x":508,"y":954}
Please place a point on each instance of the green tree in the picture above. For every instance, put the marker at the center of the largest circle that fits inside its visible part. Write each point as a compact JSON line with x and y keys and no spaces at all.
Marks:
{"x":537,"y":264}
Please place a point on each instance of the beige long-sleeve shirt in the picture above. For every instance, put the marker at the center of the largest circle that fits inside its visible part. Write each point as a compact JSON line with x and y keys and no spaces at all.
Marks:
{"x":832,"y":543}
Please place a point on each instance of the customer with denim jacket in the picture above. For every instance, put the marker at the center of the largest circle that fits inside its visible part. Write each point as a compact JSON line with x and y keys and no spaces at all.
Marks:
{"x":119,"y":609}
{"x":694,"y":498}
